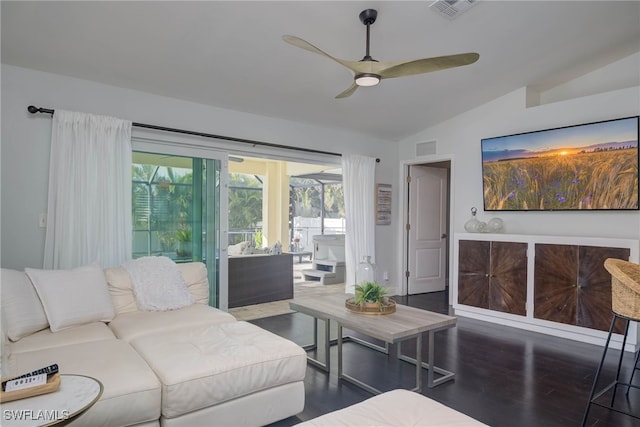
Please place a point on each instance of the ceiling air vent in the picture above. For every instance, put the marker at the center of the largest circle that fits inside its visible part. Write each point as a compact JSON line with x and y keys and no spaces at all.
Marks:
{"x":451,"y":9}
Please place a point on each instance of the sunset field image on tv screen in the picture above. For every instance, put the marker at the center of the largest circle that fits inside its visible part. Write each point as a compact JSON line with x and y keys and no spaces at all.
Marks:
{"x":591,"y":166}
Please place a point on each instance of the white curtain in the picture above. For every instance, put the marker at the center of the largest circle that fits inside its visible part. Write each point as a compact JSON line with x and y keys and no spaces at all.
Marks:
{"x":89,"y":205}
{"x":358,"y":181}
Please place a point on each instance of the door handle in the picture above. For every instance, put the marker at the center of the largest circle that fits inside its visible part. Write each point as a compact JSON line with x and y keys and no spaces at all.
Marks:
{"x":444,"y":236}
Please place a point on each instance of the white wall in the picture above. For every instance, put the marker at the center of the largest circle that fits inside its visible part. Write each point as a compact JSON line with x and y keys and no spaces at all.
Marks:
{"x":460,"y":137}
{"x":26,"y":143}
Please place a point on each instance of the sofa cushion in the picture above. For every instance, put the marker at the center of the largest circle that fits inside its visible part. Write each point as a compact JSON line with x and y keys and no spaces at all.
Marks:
{"x":395,"y":408}
{"x":128,"y":326}
{"x":46,"y":339}
{"x":22,"y":309}
{"x":119,"y":285}
{"x":124,"y":301}
{"x":73,"y":297}
{"x":204,"y":366}
{"x":131,"y":390}
{"x":195,"y":276}
{"x":157,"y":284}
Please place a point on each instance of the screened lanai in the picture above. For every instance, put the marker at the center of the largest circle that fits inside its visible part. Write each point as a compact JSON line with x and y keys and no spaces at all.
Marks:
{"x":298,"y":200}
{"x":269,"y":201}
{"x":316,"y":208}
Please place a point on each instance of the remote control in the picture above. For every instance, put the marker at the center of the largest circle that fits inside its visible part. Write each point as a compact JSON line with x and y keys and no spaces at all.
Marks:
{"x":49,"y":370}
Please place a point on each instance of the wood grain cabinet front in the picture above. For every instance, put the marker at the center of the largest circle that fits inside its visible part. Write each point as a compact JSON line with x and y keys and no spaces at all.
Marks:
{"x":572,"y":286}
{"x":493,"y":275}
{"x":551,"y":284}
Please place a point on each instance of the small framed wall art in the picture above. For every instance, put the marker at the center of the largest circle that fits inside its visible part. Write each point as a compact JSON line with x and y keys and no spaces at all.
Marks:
{"x":383,"y":204}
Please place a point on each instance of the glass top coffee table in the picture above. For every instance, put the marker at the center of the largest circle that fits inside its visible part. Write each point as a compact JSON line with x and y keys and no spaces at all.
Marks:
{"x":405,"y":324}
{"x":76,"y":394}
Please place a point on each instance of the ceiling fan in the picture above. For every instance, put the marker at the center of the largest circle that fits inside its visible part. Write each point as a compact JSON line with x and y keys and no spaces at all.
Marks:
{"x":369,"y":72}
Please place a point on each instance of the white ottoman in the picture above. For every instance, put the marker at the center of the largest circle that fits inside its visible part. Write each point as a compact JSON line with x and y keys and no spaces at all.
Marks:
{"x":395,"y":408}
{"x":213,"y":365}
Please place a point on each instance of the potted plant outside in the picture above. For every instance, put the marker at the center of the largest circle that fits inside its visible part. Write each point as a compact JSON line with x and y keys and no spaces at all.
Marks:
{"x":183,"y":236}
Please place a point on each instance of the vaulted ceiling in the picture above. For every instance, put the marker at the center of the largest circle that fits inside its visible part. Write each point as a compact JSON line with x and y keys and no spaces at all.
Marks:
{"x":230,"y":54}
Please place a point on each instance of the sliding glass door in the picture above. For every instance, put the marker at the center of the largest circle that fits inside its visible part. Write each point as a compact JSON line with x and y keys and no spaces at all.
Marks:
{"x":179,"y":210}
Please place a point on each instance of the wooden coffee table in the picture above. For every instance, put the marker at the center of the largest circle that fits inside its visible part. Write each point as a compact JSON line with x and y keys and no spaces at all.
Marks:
{"x":405,"y":324}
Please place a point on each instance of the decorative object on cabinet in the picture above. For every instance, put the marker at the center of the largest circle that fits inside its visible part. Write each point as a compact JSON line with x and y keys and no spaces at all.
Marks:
{"x":495,"y":225}
{"x":592,"y":166}
{"x":473,"y":225}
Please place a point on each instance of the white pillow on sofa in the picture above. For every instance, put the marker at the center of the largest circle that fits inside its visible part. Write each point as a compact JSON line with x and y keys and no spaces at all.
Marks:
{"x":73,"y":297}
{"x":22,"y":310}
{"x":157,"y":284}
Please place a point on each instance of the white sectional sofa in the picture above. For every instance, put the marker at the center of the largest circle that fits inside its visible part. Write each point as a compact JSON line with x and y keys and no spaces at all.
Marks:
{"x":191,"y":366}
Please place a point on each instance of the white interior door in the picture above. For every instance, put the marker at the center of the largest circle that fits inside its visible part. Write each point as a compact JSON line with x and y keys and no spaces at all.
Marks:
{"x":427,"y":240}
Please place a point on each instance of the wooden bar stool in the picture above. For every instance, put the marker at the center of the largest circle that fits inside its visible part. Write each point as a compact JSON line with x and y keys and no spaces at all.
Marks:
{"x":625,"y":302}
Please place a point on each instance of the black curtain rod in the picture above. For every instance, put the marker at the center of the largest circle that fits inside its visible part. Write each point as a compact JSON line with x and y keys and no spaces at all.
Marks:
{"x":33,"y":110}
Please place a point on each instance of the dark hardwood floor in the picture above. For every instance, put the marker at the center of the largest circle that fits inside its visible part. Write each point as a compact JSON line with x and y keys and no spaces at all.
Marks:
{"x":504,"y":376}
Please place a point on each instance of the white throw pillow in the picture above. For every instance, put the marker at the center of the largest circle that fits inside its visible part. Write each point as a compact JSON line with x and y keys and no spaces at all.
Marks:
{"x":73,"y":297}
{"x":22,"y":310}
{"x":158,"y":284}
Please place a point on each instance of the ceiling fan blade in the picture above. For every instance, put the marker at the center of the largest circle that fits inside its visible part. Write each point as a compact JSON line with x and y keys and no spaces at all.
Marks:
{"x":428,"y":65}
{"x":303,"y":44}
{"x":347,"y":92}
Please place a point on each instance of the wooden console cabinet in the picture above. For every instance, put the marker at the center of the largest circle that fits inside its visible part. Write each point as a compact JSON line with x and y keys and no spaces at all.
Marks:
{"x":549,"y":284}
{"x":256,"y":279}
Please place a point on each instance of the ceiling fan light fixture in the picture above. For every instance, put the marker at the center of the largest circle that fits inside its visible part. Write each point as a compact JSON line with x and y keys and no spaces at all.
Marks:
{"x":367,"y":79}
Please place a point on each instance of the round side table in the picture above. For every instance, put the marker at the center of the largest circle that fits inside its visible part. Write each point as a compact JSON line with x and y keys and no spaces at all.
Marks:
{"x":76,"y":394}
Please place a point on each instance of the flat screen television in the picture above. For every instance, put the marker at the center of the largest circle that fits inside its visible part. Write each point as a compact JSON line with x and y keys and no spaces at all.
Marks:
{"x":592,"y":166}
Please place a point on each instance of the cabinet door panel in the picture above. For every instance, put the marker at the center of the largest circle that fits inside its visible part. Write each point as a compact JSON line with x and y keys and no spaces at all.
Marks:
{"x":473,"y":273}
{"x":555,"y":281}
{"x":594,"y":287}
{"x":508,"y":278}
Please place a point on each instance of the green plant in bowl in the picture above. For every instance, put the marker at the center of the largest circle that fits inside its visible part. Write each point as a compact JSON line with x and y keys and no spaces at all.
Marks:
{"x":371,"y":292}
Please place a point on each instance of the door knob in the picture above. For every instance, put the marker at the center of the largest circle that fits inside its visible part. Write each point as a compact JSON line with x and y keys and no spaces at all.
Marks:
{"x":444,"y":236}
